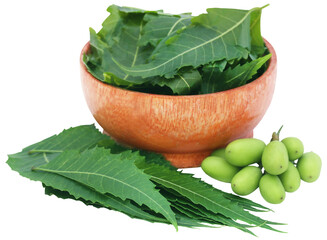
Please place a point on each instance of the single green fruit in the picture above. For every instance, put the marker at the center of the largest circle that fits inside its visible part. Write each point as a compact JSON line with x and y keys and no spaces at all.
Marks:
{"x":309,"y":166}
{"x":294,"y":147}
{"x":243,"y":152}
{"x":271,"y":189}
{"x":218,"y":168}
{"x":219,"y":153}
{"x":246,"y":180}
{"x":275,"y":158}
{"x":290,"y":178}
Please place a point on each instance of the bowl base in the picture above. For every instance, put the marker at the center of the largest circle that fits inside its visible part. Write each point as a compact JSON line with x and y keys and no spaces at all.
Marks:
{"x":188,"y":160}
{"x":191,"y":160}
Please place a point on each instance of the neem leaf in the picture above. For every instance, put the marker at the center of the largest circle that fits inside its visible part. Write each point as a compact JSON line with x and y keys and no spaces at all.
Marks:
{"x":217,"y":35}
{"x":132,"y":210}
{"x":101,"y":42}
{"x":200,"y":193}
{"x":246,"y":203}
{"x":183,"y":83}
{"x":257,"y":43}
{"x":105,"y":201}
{"x":131,"y":53}
{"x":152,"y":157}
{"x":128,"y":51}
{"x":159,"y":26}
{"x":118,"y":39}
{"x":147,"y":50}
{"x":183,"y":204}
{"x":79,"y":138}
{"x":215,"y":80}
{"x":111,"y":26}
{"x":75,"y":140}
{"x":182,"y":220}
{"x":109,"y":173}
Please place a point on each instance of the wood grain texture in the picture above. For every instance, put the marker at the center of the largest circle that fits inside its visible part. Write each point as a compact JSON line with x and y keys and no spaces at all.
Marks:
{"x":184,"y":128}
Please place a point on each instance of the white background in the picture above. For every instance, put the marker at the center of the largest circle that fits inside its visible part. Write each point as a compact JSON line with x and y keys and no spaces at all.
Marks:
{"x":40,"y":95}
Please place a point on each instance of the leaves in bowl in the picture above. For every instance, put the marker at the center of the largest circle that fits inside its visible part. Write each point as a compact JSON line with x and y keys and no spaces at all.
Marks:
{"x":154,"y":52}
{"x":231,"y":77}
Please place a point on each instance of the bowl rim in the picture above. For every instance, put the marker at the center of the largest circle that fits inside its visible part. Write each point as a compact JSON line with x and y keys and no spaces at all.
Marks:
{"x":271,"y":68}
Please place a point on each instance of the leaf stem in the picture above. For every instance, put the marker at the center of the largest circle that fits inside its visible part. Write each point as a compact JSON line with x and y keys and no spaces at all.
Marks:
{"x":265,"y":6}
{"x":279,"y":130}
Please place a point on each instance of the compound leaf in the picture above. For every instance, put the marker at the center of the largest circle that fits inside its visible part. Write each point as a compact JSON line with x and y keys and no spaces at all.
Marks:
{"x":113,"y":174}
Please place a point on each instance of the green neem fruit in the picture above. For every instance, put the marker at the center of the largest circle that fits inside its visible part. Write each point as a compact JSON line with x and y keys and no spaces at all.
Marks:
{"x":218,"y":168}
{"x":290,"y":178}
{"x":219,"y":153}
{"x":294,"y":147}
{"x":309,"y":166}
{"x":271,"y":189}
{"x":275,"y":158}
{"x":243,"y":152}
{"x":246,"y":180}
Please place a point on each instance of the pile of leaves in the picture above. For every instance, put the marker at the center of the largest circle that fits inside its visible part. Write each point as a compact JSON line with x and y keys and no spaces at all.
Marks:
{"x":155,"y":52}
{"x":85,"y":165}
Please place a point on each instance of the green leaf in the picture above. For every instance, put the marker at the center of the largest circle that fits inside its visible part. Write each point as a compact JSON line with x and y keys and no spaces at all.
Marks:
{"x":257,"y":43}
{"x":132,"y":209}
{"x":149,"y":157}
{"x":74,"y":139}
{"x":215,"y":80}
{"x":76,"y":191}
{"x":246,"y":203}
{"x":110,"y":173}
{"x":197,"y":211}
{"x":183,"y":83}
{"x":160,"y":26}
{"x":111,"y":26}
{"x":192,"y":214}
{"x":182,"y":220}
{"x":144,"y":215}
{"x":147,"y":51}
{"x":78,"y":138}
{"x":131,"y":53}
{"x":155,"y":158}
{"x":219,"y":34}
{"x":99,"y":43}
{"x":128,"y":51}
{"x":200,"y":193}
{"x":118,"y":40}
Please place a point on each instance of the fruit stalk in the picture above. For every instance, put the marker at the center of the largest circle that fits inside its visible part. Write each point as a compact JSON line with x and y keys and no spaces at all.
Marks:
{"x":275,"y":136}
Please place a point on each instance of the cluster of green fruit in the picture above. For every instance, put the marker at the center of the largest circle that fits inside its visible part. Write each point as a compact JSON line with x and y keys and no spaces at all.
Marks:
{"x":284,"y":163}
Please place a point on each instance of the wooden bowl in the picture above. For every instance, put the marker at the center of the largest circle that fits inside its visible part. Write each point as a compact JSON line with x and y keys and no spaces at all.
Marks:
{"x":185,"y":129}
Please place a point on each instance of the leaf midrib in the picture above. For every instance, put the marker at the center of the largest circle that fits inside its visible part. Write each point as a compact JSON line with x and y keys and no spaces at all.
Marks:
{"x":137,"y":49}
{"x":175,"y":24}
{"x":184,"y":80}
